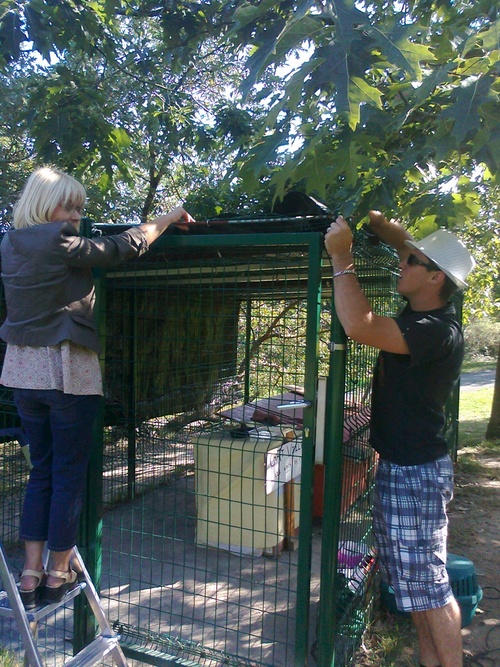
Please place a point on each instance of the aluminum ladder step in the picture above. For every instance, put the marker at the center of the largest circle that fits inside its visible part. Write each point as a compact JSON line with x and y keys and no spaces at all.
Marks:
{"x":40,"y":611}
{"x":106,"y":643}
{"x":94,"y":652}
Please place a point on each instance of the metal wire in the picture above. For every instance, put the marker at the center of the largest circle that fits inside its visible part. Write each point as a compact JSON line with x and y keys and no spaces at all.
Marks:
{"x":148,"y":640}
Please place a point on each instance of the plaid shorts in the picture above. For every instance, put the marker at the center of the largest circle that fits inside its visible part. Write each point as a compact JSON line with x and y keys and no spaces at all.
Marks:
{"x":411,"y":528}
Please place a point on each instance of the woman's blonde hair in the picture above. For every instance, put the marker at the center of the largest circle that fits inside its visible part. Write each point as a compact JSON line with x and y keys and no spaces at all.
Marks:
{"x":45,"y":189}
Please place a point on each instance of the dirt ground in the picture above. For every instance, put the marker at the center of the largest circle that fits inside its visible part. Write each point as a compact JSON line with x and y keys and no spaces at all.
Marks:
{"x":475,"y":533}
{"x":474,"y":516}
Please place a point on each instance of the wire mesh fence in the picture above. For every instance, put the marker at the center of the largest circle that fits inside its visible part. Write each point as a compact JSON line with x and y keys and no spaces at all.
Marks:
{"x":198,"y":448}
{"x":216,"y":364}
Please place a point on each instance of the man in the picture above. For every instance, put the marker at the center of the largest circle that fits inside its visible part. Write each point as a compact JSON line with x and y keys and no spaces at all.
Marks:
{"x":419,"y":363}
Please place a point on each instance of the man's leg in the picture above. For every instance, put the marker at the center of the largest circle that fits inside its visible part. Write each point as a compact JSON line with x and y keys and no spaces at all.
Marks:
{"x":439,"y":636}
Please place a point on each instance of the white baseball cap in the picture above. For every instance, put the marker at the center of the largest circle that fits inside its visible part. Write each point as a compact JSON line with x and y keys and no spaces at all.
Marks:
{"x":448,"y":253}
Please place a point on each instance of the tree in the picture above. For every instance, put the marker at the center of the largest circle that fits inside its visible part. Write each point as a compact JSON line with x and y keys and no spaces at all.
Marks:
{"x":493,"y":429}
{"x":132,"y":98}
{"x":391,"y":106}
{"x":387,"y":104}
{"x":16,"y":151}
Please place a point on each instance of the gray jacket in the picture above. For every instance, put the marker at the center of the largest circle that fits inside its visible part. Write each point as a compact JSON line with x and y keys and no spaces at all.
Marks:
{"x":48,"y":285}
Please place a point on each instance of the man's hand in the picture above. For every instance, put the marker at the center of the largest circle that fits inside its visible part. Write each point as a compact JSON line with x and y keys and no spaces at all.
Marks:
{"x":338,"y":242}
{"x":390,"y":231}
{"x":377,"y":220}
{"x":352,"y":307}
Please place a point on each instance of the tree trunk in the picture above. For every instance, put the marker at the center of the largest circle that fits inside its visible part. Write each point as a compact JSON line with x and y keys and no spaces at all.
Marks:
{"x":493,"y":430}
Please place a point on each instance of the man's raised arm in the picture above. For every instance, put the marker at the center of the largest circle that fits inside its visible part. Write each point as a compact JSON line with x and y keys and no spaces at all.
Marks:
{"x":391,"y":232}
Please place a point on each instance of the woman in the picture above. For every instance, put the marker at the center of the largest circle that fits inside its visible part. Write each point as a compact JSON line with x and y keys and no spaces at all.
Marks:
{"x":51,"y":361}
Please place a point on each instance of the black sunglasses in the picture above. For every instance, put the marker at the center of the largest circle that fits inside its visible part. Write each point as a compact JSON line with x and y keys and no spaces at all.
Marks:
{"x":412,"y":260}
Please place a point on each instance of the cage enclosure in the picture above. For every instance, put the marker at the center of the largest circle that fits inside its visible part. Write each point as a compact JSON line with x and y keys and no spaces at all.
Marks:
{"x":227,"y":518}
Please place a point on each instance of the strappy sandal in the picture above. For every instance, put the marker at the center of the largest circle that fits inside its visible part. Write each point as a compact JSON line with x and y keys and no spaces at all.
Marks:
{"x":52,"y":594}
{"x":30,"y":598}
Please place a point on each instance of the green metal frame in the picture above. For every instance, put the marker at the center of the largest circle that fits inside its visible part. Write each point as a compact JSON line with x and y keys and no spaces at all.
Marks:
{"x":93,"y":508}
{"x":347,"y":367}
{"x":332,"y":494}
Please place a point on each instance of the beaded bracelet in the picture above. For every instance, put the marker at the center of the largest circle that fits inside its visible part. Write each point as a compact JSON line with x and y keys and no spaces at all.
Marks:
{"x":343,"y":273}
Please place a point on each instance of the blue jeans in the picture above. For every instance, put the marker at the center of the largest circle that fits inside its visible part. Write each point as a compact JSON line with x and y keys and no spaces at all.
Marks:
{"x":59,"y":430}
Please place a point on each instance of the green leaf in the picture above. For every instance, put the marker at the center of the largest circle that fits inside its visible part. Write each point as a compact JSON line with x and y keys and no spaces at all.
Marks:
{"x":105,"y":181}
{"x":247,"y":13}
{"x":345,"y":162}
{"x":257,"y":159}
{"x":427,"y":224}
{"x":473,"y":66}
{"x":469,"y":201}
{"x":394,"y":40}
{"x":466,"y":103}
{"x":394,"y":36}
{"x":351,"y":91}
{"x":260,"y":58}
{"x":293,"y":92}
{"x":488,"y":39}
{"x":359,"y":93}
{"x":278,"y":43}
{"x":11,"y":36}
{"x":120,"y":137}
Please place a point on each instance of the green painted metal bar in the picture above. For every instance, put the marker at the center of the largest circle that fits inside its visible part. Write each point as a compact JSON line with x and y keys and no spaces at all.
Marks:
{"x":156,"y":657}
{"x":90,"y":532}
{"x":131,"y":406}
{"x":248,"y":335}
{"x":233,"y":240}
{"x":334,"y":418}
{"x":308,"y":451}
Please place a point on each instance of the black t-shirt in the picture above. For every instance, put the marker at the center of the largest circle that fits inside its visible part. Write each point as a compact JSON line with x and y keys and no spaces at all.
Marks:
{"x":410,"y":390}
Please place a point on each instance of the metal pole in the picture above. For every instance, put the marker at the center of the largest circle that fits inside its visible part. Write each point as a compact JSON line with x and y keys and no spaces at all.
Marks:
{"x":90,"y":533}
{"x":248,"y":347}
{"x":132,"y":393}
{"x":308,"y":453}
{"x":334,"y":420}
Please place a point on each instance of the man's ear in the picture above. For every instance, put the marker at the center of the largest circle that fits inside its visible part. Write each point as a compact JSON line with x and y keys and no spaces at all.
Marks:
{"x":438,"y":277}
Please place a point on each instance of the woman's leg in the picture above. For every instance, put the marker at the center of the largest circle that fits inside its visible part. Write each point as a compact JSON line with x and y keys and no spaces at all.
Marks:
{"x":33,"y":561}
{"x":35,"y":418}
{"x":59,"y":430}
{"x":72,"y":420}
{"x":60,"y":562}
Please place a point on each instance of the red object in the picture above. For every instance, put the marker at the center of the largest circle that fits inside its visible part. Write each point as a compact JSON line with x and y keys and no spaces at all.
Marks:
{"x":354,"y":484}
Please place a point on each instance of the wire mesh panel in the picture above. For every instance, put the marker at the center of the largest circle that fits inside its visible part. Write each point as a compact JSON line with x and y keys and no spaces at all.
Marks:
{"x":209,"y":356}
{"x":55,"y":632}
{"x":356,"y":555}
{"x":234,"y":482}
{"x":13,"y":466}
{"x":14,"y":469}
{"x":345,"y":470}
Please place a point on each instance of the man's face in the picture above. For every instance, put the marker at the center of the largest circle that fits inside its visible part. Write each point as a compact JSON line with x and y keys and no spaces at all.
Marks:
{"x":414,"y":273}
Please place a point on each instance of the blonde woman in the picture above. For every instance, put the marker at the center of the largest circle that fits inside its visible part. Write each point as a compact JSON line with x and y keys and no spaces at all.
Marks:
{"x":51,"y":360}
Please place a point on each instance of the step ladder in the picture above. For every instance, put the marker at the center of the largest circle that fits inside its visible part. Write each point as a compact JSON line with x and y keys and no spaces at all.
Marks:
{"x":105,"y":644}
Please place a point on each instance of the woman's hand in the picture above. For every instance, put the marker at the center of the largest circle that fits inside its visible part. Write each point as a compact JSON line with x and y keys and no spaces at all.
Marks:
{"x":179,"y":217}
